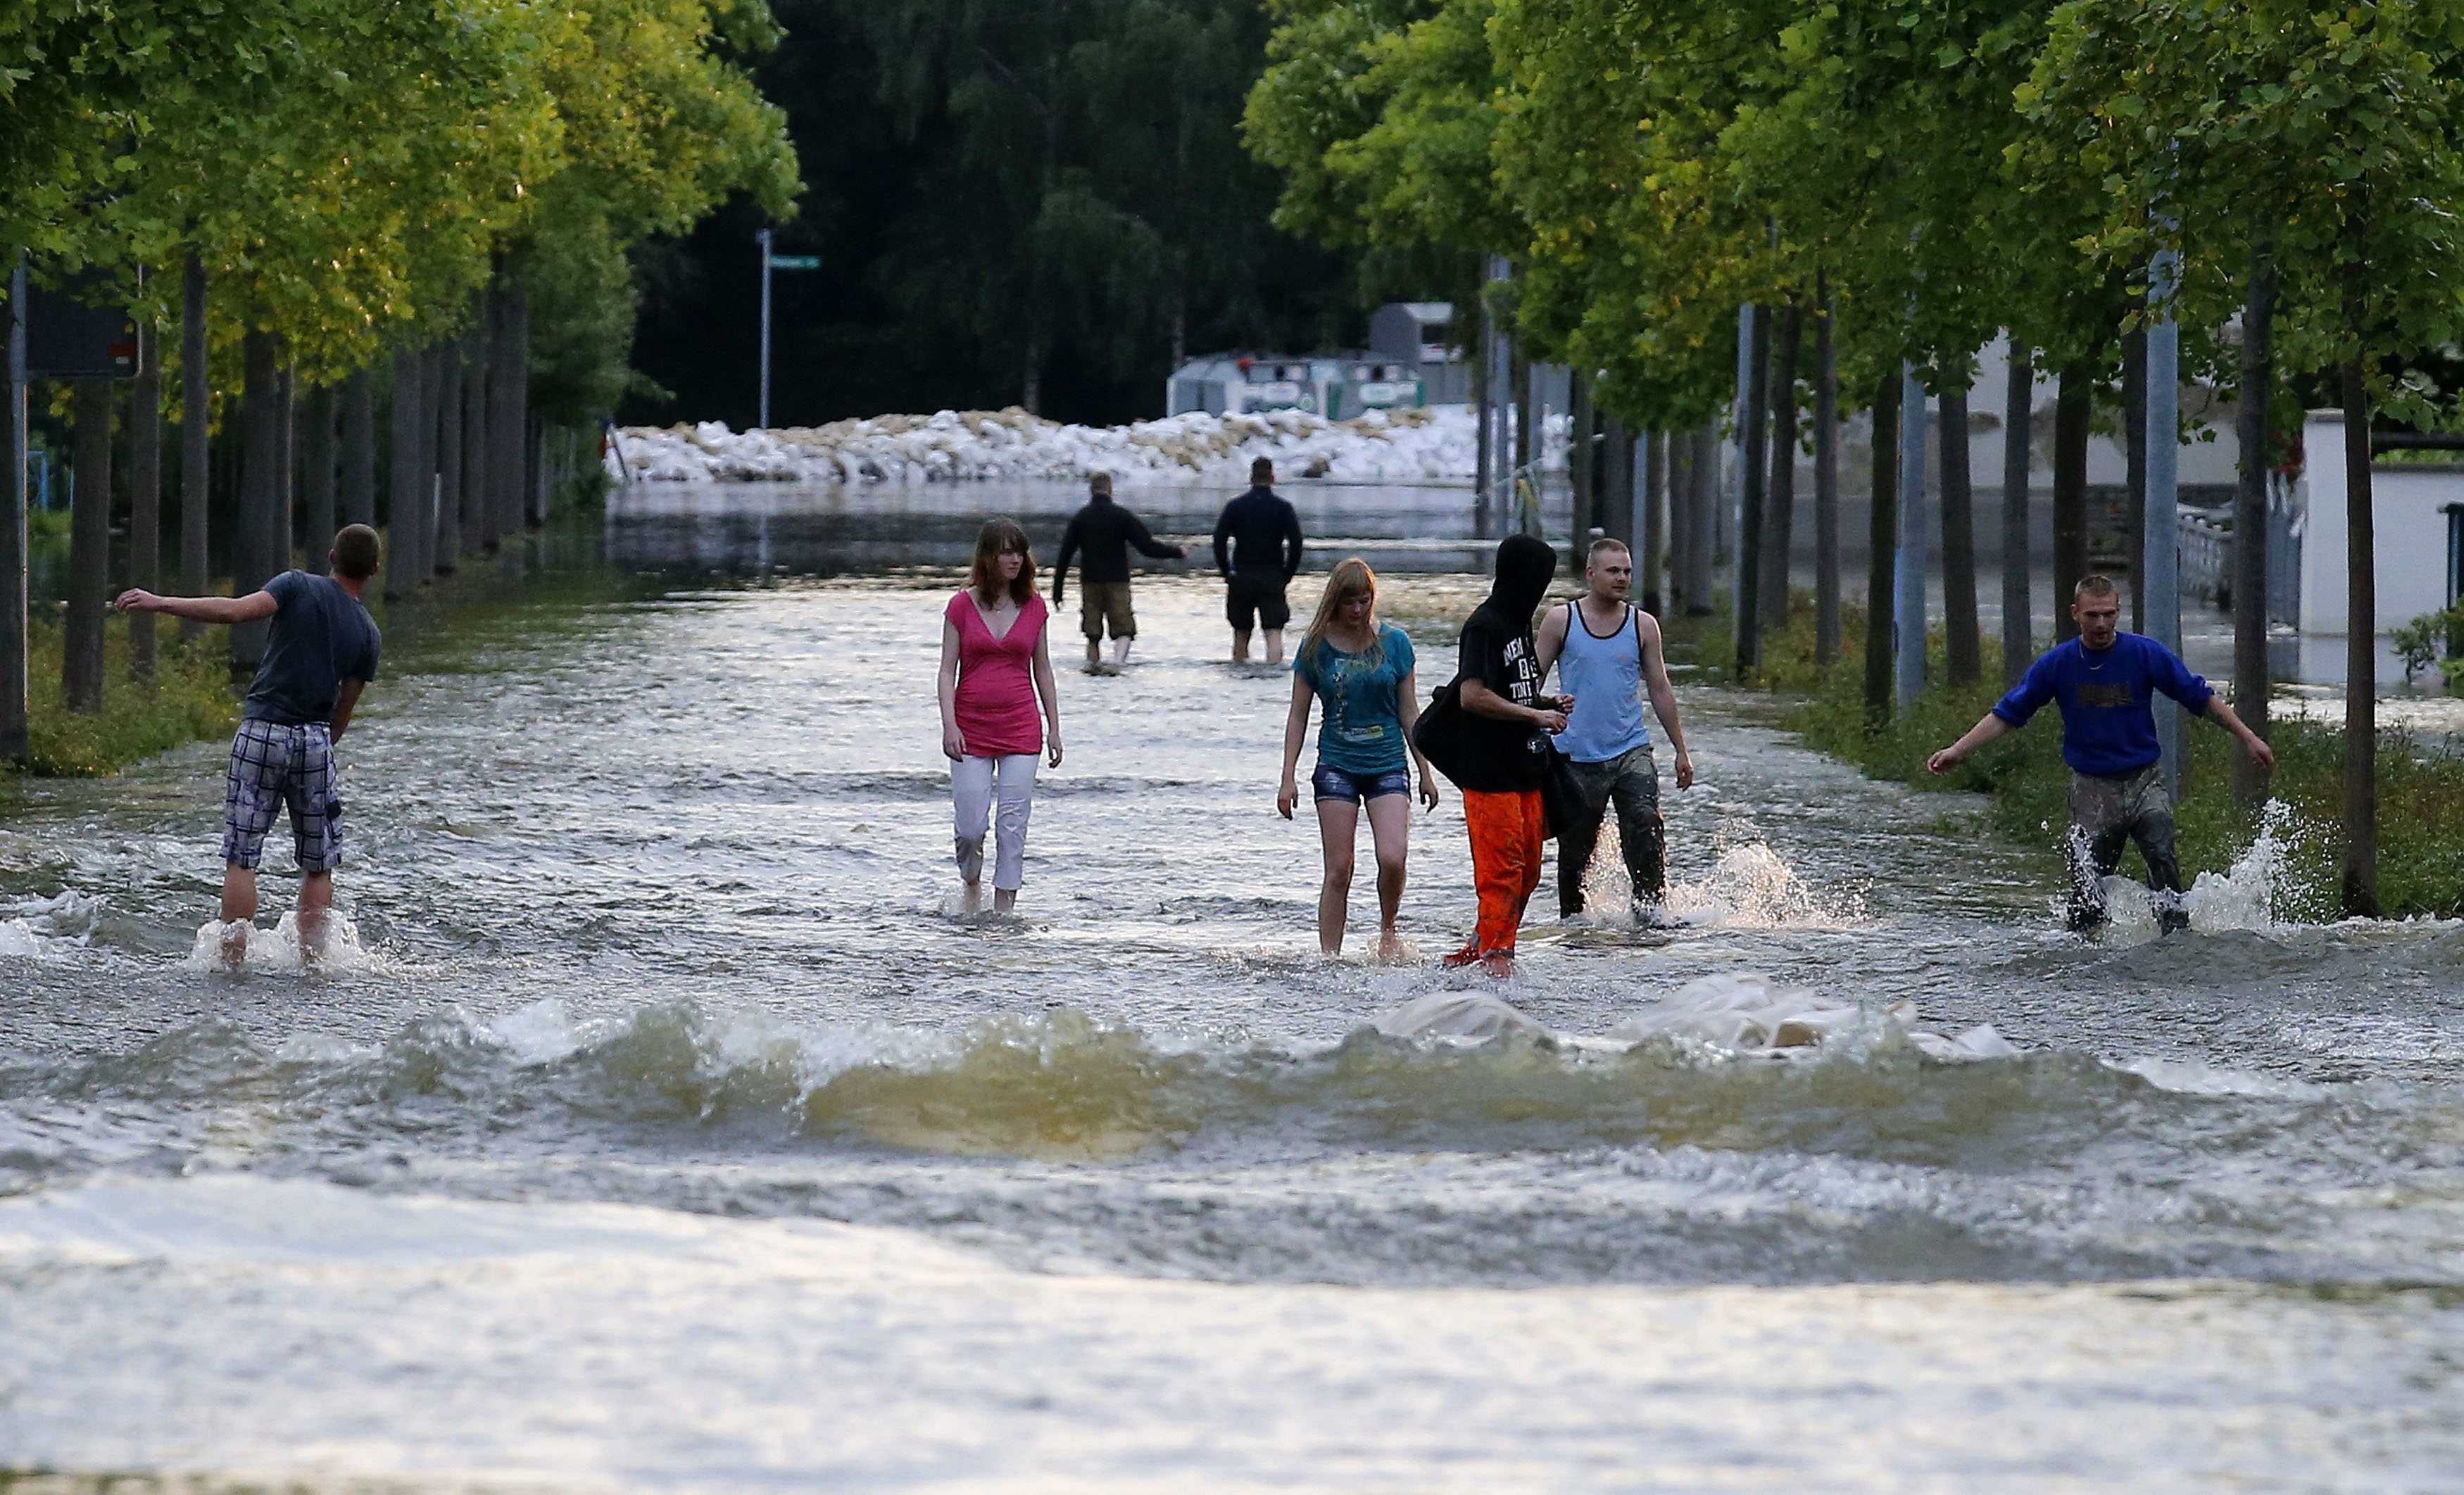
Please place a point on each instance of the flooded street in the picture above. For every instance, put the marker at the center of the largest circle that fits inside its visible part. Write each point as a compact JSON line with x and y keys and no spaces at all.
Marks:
{"x":669,"y":1128}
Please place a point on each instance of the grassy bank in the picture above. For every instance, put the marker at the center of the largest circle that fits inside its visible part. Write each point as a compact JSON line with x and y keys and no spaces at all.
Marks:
{"x":189,"y":697}
{"x":2421,"y":787}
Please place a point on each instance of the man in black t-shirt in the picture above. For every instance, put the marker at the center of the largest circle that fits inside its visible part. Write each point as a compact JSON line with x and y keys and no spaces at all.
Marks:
{"x":1502,"y":752}
{"x":321,"y":653}
{"x":1258,"y":550}
{"x":1103,"y":533}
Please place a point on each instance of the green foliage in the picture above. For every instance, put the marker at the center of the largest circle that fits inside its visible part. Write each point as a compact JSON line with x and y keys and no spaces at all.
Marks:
{"x":189,"y":697}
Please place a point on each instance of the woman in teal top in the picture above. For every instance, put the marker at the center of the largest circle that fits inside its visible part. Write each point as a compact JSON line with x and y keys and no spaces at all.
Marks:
{"x":1362,"y":670}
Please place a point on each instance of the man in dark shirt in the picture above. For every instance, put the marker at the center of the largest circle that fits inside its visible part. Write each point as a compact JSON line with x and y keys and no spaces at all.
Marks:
{"x":321,"y":653}
{"x":1503,"y":750}
{"x":1103,"y":533}
{"x":1263,"y":532}
{"x":2105,"y":683}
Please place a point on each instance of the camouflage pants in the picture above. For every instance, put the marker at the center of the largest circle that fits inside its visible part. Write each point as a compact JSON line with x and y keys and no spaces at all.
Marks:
{"x":2107,"y":812}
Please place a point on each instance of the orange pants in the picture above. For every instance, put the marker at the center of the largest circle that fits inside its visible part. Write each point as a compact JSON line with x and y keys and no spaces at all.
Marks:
{"x":1506,"y":848}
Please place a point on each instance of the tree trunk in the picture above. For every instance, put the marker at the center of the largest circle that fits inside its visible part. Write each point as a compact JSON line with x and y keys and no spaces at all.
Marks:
{"x":449,"y":457}
{"x":15,"y":539}
{"x":1881,"y":555}
{"x":477,"y":534}
{"x":2072,"y":406}
{"x":1519,"y":384}
{"x":1484,"y":463}
{"x":1653,"y":495}
{"x":144,"y":496}
{"x":1620,"y":486}
{"x":405,"y":566}
{"x":1753,"y":431}
{"x":317,"y":522}
{"x":517,"y":376}
{"x":257,"y":556}
{"x":432,"y":388}
{"x":1581,"y":476}
{"x":2134,"y":424}
{"x":2361,"y":641}
{"x":286,"y":469}
{"x":1964,"y":645}
{"x":89,"y":547}
{"x":196,"y":426}
{"x":359,"y":504}
{"x":1779,"y":484}
{"x":1681,"y":522}
{"x":504,"y":423}
{"x":1826,"y":483}
{"x":2250,"y":677}
{"x":2018,"y":626}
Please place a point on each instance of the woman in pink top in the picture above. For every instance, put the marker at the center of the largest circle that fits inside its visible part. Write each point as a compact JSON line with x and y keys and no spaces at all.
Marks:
{"x":994,"y":667}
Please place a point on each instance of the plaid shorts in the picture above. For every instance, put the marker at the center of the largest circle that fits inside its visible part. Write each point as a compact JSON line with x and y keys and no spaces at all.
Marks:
{"x":273,"y":765}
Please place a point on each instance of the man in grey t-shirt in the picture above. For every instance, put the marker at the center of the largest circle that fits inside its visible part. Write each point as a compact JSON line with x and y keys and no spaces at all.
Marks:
{"x":319,"y":653}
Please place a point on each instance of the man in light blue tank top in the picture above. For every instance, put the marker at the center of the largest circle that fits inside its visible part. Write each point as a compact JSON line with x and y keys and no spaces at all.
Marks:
{"x":1607,"y":653}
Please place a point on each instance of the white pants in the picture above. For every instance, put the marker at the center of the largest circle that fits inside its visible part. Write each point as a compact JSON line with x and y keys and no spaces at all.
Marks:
{"x":971,"y":790}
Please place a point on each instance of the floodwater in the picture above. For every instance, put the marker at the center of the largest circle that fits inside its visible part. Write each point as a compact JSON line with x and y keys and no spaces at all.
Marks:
{"x":667,"y":1127}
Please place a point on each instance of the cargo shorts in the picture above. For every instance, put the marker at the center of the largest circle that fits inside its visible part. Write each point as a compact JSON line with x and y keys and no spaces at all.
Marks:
{"x":1105,"y":604}
{"x":273,"y":767}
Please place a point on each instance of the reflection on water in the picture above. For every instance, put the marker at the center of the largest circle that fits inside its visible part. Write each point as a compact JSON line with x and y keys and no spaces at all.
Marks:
{"x":824,"y":529}
{"x":669,"y":1134}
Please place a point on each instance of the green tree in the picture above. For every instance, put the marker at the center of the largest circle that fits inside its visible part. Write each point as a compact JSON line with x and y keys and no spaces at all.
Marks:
{"x":2322,"y":149}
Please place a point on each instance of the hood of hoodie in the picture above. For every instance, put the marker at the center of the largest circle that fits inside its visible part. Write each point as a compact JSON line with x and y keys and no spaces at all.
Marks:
{"x":1525,"y":566}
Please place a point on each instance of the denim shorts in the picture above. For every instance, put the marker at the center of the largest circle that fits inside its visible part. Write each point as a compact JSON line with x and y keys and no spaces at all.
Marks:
{"x":1337,"y":783}
{"x":274,"y":768}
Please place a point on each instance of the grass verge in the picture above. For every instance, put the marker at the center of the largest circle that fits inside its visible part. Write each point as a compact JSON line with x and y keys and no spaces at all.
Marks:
{"x":2421,"y":786}
{"x":191,"y":697}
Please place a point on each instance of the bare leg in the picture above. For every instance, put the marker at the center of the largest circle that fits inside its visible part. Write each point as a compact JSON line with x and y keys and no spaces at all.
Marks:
{"x":1004,"y":899}
{"x":1094,"y":656}
{"x":315,"y":904}
{"x":1390,"y":831}
{"x":1274,"y":646}
{"x":1240,"y":646}
{"x":239,"y":911}
{"x":1120,"y":652}
{"x":1339,"y":822}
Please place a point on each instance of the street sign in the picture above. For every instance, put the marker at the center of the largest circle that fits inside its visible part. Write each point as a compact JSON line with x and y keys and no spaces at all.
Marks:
{"x":795,"y":262}
{"x":68,"y":338}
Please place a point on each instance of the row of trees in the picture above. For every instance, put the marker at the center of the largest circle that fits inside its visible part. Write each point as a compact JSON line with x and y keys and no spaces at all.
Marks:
{"x":306,"y":203}
{"x":1910,"y":179}
{"x":1044,"y":205}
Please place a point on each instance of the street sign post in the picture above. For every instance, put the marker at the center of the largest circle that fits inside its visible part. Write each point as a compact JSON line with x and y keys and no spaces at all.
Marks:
{"x":769,"y":263}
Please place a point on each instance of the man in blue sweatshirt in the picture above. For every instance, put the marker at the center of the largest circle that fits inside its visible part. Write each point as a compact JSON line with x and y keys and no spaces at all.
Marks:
{"x":2106,"y":682}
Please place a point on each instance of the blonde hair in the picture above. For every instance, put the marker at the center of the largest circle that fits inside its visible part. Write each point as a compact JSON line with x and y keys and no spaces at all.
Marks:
{"x":1347,"y":581}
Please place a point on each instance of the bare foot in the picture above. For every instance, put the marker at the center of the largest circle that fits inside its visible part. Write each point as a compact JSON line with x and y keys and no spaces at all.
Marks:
{"x":971,"y":897}
{"x":1499,"y":963}
{"x":235,"y":947}
{"x":1389,"y":946}
{"x":1004,"y":900}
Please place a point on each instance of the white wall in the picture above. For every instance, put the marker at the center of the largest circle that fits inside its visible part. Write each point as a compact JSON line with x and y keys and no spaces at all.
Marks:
{"x":2407,"y":503}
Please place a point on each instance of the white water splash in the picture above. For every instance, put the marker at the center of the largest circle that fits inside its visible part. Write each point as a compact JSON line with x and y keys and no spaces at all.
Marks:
{"x":2257,"y":893}
{"x":276,"y":951}
{"x":1752,"y":886}
{"x":1742,"y":1013}
{"x":46,"y":929}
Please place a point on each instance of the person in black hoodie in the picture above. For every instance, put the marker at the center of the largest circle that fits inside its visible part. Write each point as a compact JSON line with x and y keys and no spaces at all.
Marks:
{"x":1101,"y":535}
{"x":1501,"y":749}
{"x":1258,"y":549}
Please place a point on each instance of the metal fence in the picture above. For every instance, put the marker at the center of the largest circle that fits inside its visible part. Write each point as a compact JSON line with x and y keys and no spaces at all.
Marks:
{"x":2206,"y":541}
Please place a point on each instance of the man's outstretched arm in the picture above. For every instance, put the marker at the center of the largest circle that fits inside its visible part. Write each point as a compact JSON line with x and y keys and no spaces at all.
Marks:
{"x":2252,"y":742}
{"x":1986,"y":729}
{"x":203,"y":609}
